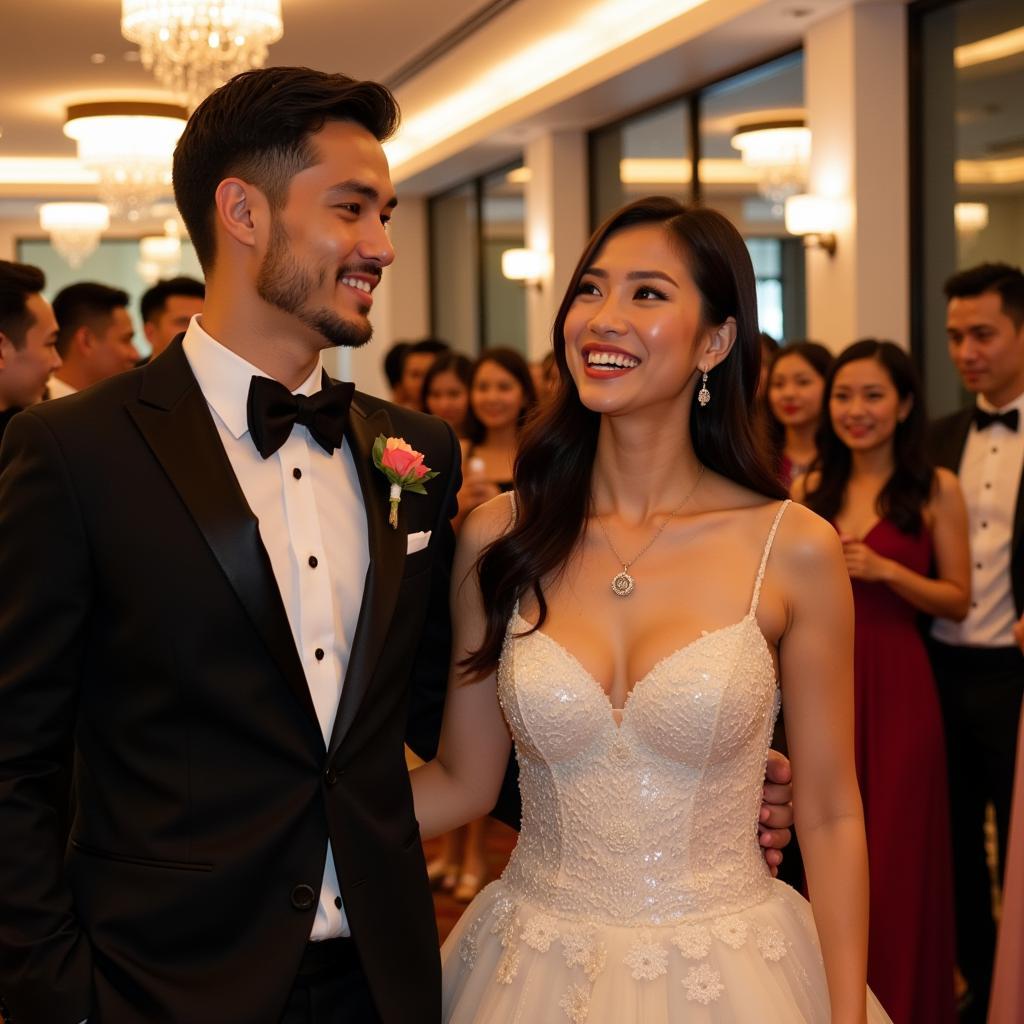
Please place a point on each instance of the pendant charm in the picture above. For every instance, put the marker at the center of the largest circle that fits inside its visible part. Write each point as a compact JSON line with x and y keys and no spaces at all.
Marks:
{"x":622,"y":584}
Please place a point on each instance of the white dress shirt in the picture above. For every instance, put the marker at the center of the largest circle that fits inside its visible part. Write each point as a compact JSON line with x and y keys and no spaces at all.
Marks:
{"x":990,"y":472}
{"x":312,"y":522}
{"x":56,"y":388}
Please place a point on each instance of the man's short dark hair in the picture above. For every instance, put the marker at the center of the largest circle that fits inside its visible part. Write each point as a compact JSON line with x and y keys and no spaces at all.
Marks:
{"x":17,"y":282}
{"x":394,"y":360}
{"x":1006,"y":281}
{"x":258,"y":127}
{"x":154,"y":301}
{"x":87,"y":304}
{"x":433,"y":346}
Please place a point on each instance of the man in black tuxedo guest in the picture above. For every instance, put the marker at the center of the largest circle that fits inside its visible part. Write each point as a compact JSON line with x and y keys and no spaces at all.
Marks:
{"x":203,"y":592}
{"x":166,"y":310}
{"x":978,"y":663}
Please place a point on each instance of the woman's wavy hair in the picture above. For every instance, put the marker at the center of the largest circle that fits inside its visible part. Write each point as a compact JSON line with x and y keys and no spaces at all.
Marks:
{"x":556,"y":455}
{"x":820,"y":361}
{"x":512,"y":363}
{"x":907,"y":491}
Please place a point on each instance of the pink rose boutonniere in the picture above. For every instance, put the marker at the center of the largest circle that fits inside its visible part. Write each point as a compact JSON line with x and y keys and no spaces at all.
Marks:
{"x":404,"y":468}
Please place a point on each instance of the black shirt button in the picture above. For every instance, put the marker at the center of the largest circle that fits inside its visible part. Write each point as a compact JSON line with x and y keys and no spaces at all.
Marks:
{"x":977,"y":565}
{"x":303,"y":897}
{"x":297,"y":473}
{"x":319,"y":654}
{"x":337,"y":902}
{"x":984,"y":526}
{"x":331,"y":776}
{"x":313,"y":563}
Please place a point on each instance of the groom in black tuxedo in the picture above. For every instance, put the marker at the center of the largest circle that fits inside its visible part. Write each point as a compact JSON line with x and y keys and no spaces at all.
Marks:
{"x":204,"y":599}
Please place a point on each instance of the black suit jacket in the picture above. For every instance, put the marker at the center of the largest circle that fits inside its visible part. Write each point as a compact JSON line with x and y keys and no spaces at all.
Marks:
{"x":140,"y":622}
{"x":947,"y":438}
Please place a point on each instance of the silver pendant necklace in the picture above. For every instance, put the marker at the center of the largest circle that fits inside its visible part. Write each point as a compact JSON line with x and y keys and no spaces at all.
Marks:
{"x":623,"y":584}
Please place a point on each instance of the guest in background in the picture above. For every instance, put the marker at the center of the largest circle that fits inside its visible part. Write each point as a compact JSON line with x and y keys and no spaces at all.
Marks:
{"x":393,"y":359}
{"x":166,"y":310}
{"x":796,"y":387}
{"x":896,"y":517}
{"x":501,"y":395}
{"x":446,"y":390}
{"x":769,"y":346}
{"x":978,"y":666}
{"x":418,"y":358}
{"x":28,"y":339}
{"x":94,"y":336}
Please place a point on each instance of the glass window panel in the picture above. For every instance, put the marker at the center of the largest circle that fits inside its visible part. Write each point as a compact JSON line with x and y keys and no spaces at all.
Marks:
{"x":455,"y":268}
{"x":645,"y":155}
{"x":503,"y":226}
{"x":972,"y":138}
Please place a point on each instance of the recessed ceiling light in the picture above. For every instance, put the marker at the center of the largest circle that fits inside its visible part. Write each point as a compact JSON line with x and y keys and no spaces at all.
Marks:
{"x":98,"y":58}
{"x":132,"y":56}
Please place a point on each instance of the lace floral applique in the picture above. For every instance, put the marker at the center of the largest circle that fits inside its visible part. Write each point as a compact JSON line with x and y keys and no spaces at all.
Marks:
{"x":703,"y":985}
{"x":469,"y":946}
{"x":772,"y":944}
{"x":731,"y":930}
{"x":540,"y":932}
{"x":581,"y":948}
{"x":576,"y":1003}
{"x":646,"y":958}
{"x":692,"y":940}
{"x":506,"y":921}
{"x":508,"y":965}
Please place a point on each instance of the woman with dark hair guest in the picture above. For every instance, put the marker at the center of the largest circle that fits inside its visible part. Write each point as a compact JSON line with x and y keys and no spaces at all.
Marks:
{"x":796,"y":387}
{"x":446,"y":390}
{"x":897,"y":517}
{"x":626,"y":614}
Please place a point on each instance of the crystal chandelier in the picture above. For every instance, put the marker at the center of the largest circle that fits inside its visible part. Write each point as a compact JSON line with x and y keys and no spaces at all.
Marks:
{"x":780,"y":151}
{"x":130,"y":146}
{"x":160,"y":255}
{"x":192,"y":48}
{"x":74,"y":228}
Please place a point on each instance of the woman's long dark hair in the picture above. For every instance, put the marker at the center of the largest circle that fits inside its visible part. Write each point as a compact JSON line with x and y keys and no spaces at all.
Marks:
{"x":512,"y":363}
{"x":907,"y":491}
{"x":820,"y":361}
{"x":556,"y":456}
{"x":446,"y":362}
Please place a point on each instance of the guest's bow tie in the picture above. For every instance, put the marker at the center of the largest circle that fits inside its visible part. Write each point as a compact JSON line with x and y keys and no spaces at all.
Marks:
{"x":273,"y":410}
{"x":1009,"y":419}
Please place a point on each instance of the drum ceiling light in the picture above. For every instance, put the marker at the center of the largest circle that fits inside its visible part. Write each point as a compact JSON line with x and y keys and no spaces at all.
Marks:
{"x":74,"y":228}
{"x":192,"y":48}
{"x":780,"y":151}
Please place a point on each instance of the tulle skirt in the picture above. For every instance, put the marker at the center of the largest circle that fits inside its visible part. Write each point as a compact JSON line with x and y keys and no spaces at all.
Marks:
{"x":508,"y":961}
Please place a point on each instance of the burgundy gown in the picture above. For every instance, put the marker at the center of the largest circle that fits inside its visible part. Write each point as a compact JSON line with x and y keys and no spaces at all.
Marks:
{"x":901,"y":766}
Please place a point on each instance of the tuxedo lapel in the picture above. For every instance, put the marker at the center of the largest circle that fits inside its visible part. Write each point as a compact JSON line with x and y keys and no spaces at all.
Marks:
{"x":384,"y":575}
{"x":173,"y":417}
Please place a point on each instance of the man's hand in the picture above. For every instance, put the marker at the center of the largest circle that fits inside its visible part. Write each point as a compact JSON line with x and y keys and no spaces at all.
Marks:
{"x":776,"y":816}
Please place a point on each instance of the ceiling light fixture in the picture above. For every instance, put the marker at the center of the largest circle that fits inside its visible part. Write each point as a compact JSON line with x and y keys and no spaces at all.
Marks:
{"x":816,"y":218}
{"x":192,"y":48}
{"x":74,"y":228}
{"x":129,"y":145}
{"x":528,"y":266}
{"x":970,"y":218}
{"x":780,"y":151}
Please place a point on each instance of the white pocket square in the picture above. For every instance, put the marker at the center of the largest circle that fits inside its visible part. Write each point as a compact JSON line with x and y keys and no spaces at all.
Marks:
{"x":417,"y":541}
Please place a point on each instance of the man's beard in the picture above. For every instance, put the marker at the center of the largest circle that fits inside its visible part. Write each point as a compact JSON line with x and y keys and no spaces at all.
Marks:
{"x":284,"y":283}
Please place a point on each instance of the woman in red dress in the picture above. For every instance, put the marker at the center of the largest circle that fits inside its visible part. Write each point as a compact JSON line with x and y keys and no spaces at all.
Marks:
{"x":897,"y":518}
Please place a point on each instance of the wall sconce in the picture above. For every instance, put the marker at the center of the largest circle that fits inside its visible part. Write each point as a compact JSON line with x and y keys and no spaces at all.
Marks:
{"x":74,"y":228}
{"x":528,"y":266}
{"x":970,"y":218}
{"x":816,"y":219}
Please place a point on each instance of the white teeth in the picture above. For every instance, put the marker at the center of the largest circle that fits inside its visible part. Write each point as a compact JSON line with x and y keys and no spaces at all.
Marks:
{"x":617,"y":359}
{"x":356,"y":282}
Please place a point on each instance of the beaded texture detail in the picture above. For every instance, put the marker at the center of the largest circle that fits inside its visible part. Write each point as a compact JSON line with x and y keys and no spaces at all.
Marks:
{"x":637,"y":893}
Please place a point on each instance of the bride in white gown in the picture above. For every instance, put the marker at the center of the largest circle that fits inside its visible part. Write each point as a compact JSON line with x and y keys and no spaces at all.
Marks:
{"x":641,"y":701}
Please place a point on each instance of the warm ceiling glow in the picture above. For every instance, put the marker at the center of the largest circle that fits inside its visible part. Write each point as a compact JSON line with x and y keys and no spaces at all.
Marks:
{"x":518,"y":176}
{"x":970,"y":217}
{"x":784,"y":144}
{"x":524,"y":264}
{"x":192,"y":48}
{"x":1006,"y":44}
{"x":1005,"y":171}
{"x":678,"y":171}
{"x":603,"y":27}
{"x":74,"y":228}
{"x":45,"y":170}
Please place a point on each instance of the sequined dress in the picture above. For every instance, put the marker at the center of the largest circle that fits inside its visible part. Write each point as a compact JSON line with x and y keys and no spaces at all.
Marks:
{"x":637,"y":893}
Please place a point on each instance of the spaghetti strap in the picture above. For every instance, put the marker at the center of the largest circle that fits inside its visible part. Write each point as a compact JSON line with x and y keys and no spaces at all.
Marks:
{"x":515,"y":508}
{"x":764,"y":556}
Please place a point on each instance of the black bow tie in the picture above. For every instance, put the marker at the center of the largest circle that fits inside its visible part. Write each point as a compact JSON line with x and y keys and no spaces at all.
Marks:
{"x":273,"y":410}
{"x":1009,"y":419}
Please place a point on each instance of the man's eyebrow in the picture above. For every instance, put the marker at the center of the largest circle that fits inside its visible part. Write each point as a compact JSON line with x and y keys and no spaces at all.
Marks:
{"x":633,"y":275}
{"x":360,"y":188}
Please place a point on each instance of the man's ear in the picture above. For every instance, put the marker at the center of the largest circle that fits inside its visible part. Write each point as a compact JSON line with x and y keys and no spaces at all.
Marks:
{"x":718,"y":343}
{"x":238,"y":205}
{"x":82,"y":339}
{"x":6,"y":347}
{"x":149,"y":329}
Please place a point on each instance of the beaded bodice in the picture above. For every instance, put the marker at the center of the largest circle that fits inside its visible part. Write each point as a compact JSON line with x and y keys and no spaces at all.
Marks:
{"x":652,"y":820}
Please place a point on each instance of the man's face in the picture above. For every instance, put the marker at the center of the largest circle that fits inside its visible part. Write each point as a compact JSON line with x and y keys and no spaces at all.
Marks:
{"x":986,"y":347}
{"x":171,"y":321}
{"x":108,"y":347}
{"x":328,"y":245}
{"x":414,"y":369}
{"x":24,"y":371}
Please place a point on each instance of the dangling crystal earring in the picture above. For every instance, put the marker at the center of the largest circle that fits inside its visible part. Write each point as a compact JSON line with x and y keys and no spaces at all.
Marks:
{"x":703,"y":396}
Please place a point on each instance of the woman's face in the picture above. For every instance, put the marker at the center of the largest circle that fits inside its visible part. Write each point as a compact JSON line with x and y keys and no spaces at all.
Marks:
{"x":631,"y":330}
{"x":496,"y":396}
{"x":448,"y":398}
{"x":795,"y":391}
{"x":865,"y":406}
